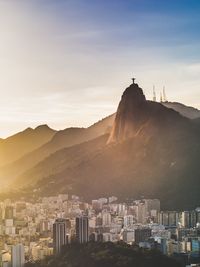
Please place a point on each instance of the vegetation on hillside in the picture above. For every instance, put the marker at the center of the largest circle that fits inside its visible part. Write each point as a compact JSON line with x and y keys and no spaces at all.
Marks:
{"x":106,"y":255}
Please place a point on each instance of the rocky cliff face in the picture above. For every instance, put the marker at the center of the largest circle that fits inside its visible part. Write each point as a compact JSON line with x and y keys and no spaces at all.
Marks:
{"x":135,"y":115}
{"x":129,"y":114}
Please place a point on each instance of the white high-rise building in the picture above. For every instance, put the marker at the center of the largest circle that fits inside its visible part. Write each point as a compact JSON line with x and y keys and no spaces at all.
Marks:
{"x":17,"y":256}
{"x":106,"y":218}
{"x":128,"y":236}
{"x":152,"y":204}
{"x":141,"y":213}
{"x":128,"y":221}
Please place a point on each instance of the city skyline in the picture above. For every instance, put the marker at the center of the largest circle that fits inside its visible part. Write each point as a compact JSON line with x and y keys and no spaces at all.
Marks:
{"x":65,"y":63}
{"x":54,"y":224}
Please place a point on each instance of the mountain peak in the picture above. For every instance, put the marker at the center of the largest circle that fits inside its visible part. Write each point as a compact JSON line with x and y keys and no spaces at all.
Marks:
{"x":137,"y":115}
{"x":129,"y":113}
{"x":43,"y":127}
{"x":134,"y":94}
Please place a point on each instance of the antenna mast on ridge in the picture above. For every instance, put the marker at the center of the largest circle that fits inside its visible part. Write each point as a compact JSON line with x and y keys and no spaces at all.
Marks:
{"x":161,"y":97}
{"x":154,"y":94}
{"x":164,"y":95}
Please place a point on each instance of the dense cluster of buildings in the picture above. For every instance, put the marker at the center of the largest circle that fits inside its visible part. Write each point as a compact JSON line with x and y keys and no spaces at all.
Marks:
{"x":32,"y":231}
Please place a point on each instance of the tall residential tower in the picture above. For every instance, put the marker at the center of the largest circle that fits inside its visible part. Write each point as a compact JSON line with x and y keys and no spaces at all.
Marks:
{"x":82,"y":229}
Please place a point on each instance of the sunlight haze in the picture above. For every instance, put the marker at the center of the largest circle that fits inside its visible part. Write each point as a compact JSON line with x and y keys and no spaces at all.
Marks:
{"x":66,"y":63}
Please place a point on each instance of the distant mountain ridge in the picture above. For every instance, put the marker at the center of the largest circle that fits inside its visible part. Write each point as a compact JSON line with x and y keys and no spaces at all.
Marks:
{"x":16,"y":146}
{"x":152,"y":151}
{"x":145,"y":149}
{"x":65,"y":138}
{"x":61,"y":139}
{"x":186,"y":111}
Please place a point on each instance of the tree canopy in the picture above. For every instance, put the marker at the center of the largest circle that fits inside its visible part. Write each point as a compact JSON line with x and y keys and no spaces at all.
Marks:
{"x":106,"y":255}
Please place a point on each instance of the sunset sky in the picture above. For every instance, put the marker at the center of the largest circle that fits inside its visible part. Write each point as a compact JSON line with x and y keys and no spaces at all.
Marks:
{"x":66,"y":62}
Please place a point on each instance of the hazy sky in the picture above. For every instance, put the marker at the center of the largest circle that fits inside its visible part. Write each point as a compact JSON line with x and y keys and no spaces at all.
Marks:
{"x":67,"y":62}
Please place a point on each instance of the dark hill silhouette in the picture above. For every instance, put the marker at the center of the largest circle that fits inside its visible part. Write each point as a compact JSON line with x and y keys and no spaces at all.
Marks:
{"x":107,"y":255}
{"x":62,"y":139}
{"x":152,"y":151}
{"x":61,"y":160}
{"x":186,"y":111}
{"x":197,"y":120}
